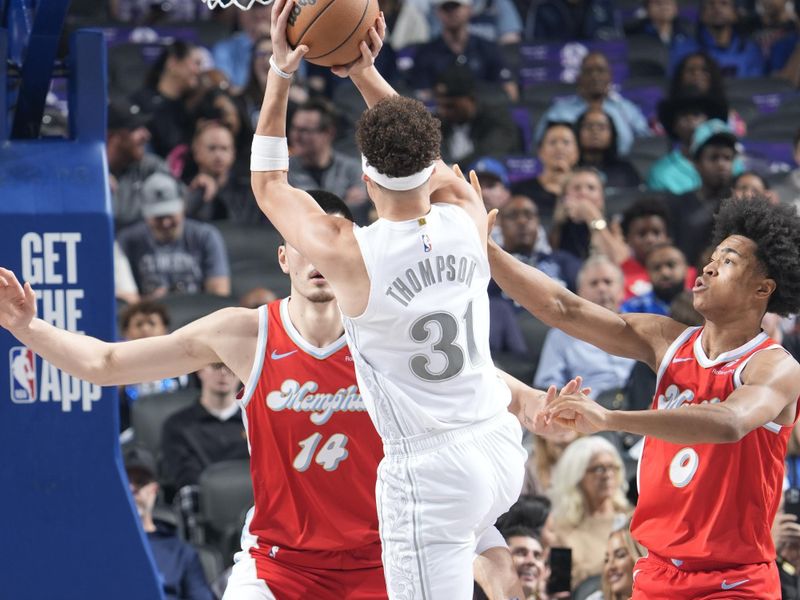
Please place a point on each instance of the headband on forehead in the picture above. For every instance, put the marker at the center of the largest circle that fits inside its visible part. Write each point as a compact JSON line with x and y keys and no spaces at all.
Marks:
{"x":397,"y":184}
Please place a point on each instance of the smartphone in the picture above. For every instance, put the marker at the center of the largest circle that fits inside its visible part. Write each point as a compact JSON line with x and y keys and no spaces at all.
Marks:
{"x":560,"y":570}
{"x":791,"y":502}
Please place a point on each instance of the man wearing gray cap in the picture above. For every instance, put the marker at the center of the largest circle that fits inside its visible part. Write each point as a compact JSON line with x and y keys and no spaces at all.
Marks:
{"x":170,"y":253}
{"x":129,"y":162}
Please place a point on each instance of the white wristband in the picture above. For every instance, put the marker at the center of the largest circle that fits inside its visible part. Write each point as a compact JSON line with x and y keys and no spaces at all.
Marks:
{"x":277,"y":69}
{"x":269,"y":153}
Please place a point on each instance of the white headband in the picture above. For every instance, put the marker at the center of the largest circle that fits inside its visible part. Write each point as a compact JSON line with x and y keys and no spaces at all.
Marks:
{"x":397,"y":184}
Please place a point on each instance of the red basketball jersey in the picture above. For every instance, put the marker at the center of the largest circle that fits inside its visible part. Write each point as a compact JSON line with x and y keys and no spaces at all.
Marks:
{"x":314,"y":452}
{"x":709,"y":503}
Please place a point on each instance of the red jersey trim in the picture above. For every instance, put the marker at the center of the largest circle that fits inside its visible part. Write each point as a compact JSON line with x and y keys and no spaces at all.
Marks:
{"x":258,"y":362}
{"x":670,"y":354}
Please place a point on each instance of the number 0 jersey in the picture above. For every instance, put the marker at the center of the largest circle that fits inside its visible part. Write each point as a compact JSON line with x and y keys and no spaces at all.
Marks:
{"x":709,"y":505}
{"x":422,"y":344}
{"x":314,"y":452}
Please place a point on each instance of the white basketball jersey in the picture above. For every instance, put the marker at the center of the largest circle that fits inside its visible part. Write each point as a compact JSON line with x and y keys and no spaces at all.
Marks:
{"x":421,"y":347}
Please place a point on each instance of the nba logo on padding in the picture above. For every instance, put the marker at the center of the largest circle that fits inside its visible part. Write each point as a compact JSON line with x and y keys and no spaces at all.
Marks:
{"x":22,"y":366}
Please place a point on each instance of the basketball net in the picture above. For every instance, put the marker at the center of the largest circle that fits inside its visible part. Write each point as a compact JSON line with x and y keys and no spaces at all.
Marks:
{"x":243,"y":4}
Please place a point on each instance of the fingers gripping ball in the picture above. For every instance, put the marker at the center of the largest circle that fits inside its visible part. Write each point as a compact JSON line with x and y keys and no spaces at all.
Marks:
{"x":332,"y":29}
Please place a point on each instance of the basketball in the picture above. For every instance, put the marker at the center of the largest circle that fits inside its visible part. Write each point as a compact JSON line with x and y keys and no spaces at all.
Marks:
{"x":332,"y":29}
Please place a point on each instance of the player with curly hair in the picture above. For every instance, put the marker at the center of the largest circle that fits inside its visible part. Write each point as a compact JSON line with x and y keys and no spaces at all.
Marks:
{"x":711,"y":470}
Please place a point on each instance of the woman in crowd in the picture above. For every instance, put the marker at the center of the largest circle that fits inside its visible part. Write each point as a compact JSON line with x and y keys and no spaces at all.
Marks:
{"x":588,"y":495}
{"x":597,"y":140}
{"x":622,"y":553}
{"x":558,"y":154}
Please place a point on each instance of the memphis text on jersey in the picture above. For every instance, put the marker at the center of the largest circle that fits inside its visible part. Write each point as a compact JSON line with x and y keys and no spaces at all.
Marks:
{"x":304,"y":398}
{"x":428,"y":272}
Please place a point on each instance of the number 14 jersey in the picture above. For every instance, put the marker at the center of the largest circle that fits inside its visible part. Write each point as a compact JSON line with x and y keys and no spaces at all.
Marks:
{"x":422,"y":344}
{"x":314,"y":453}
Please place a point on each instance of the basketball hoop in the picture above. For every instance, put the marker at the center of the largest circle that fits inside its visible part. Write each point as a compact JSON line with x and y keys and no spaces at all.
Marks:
{"x":242,"y":4}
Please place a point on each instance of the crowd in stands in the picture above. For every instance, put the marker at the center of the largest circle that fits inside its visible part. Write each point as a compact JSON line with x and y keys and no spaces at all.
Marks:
{"x":606,"y":133}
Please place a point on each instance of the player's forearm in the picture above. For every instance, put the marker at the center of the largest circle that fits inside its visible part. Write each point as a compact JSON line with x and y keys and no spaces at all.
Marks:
{"x":695,"y":424}
{"x":372,"y":85}
{"x":79,"y":355}
{"x":529,"y":287}
{"x":272,"y":120}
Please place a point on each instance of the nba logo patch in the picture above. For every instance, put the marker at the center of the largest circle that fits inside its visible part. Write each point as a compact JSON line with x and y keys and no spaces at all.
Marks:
{"x":426,"y":243}
{"x":22,"y":367}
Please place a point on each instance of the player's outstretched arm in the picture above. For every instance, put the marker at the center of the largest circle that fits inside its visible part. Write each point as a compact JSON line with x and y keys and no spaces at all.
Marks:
{"x":362,"y":72}
{"x":104,"y":363}
{"x":769,"y":394}
{"x":641,"y":337}
{"x":293,"y":212}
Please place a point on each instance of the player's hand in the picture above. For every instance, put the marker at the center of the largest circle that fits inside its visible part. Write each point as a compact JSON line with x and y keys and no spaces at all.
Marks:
{"x":785,"y":530}
{"x":369,"y":51}
{"x":574,"y":409}
{"x":206,"y":184}
{"x":285,"y":58}
{"x":17,"y":302}
{"x":534,"y":414}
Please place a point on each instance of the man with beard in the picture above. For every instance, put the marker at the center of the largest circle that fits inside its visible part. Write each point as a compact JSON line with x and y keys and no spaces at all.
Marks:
{"x":667,"y":268}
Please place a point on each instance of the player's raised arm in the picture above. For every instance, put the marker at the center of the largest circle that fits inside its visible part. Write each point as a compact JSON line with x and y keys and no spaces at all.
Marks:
{"x":362,"y":72}
{"x":770,"y":390}
{"x":641,"y":337}
{"x":104,"y":363}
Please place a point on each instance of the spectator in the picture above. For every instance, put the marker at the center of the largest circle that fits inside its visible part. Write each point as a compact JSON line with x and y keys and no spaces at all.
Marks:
{"x":542,"y":461}
{"x":784,"y":56}
{"x":125,"y":289}
{"x":667,"y":268}
{"x":558,"y":154}
{"x":644,"y":226}
{"x":579,"y":223}
{"x":774,"y":21}
{"x":788,"y":189}
{"x":505,"y":335}
{"x":530,"y":512}
{"x":493,"y":177}
{"x":172,"y":79}
{"x":682,"y":310}
{"x":169,"y":253}
{"x":257,"y":297}
{"x":714,"y":148}
{"x":494,"y":20}
{"x":178,"y":565}
{"x":597,"y":140}
{"x":595,"y":90}
{"x":251,"y":97}
{"x":588,"y":502}
{"x":564,"y":357}
{"x":568,"y":20}
{"x":622,"y":552}
{"x":719,"y":36}
{"x":406,"y":23}
{"x":129,"y":163}
{"x":680,"y":115}
{"x":314,"y":163}
{"x":468,"y":130}
{"x":143,"y":320}
{"x":217,"y":191}
{"x":456,"y":46}
{"x":233,"y":55}
{"x":661,"y":21}
{"x":208,"y":432}
{"x":750,"y":185}
{"x":699,"y":74}
{"x":530,"y":560}
{"x":520,"y":229}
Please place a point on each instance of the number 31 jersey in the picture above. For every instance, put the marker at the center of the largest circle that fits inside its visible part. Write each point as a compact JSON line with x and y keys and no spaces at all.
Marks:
{"x":422,"y":344}
{"x":314,"y":452}
{"x":712,"y":504}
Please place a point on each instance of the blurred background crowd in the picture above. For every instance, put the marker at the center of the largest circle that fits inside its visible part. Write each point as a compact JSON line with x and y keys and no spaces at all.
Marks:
{"x":606,"y":133}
